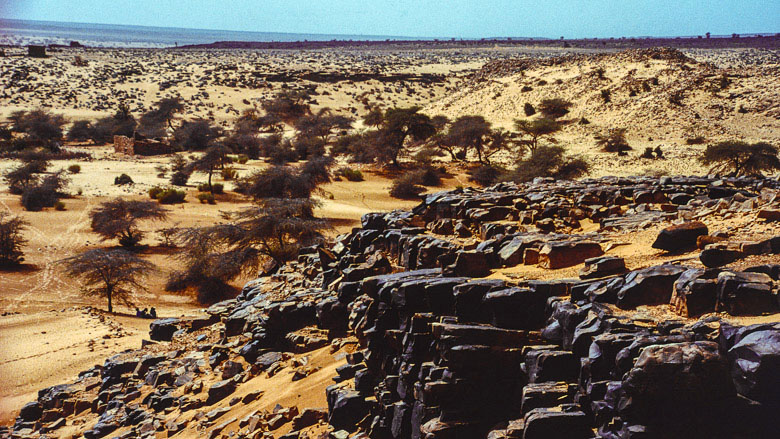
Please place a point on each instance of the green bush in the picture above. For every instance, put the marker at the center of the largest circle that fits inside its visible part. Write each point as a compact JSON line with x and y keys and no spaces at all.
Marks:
{"x":218,"y":188}
{"x":406,"y":187}
{"x":485,"y":175}
{"x":155,"y":192}
{"x":548,"y":161}
{"x":74,"y":169}
{"x":171,"y":196}
{"x":207,"y":197}
{"x":122,"y":180}
{"x":35,"y":198}
{"x":350,"y":174}
{"x":228,"y":173}
{"x":428,"y":176}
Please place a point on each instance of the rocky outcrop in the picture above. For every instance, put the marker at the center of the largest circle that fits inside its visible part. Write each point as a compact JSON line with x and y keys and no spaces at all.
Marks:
{"x":445,"y":345}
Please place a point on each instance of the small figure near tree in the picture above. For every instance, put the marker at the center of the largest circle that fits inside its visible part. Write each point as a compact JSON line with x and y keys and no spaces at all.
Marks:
{"x":112,"y":273}
{"x":119,"y":218}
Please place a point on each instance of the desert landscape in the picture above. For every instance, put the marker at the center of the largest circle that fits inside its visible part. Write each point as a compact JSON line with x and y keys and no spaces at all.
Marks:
{"x":391,"y":239}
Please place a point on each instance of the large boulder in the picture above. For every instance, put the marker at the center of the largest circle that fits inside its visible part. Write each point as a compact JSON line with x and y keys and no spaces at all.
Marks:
{"x":754,"y":356}
{"x":553,"y":423}
{"x":562,"y":254}
{"x":346,"y":408}
{"x":679,"y":390}
{"x":741,"y":293}
{"x":695,"y":292}
{"x":471,"y":263}
{"x":220,"y":390}
{"x":716,"y":255}
{"x":680,"y":237}
{"x":651,"y":286}
{"x":163,"y":329}
{"x":602,"y":266}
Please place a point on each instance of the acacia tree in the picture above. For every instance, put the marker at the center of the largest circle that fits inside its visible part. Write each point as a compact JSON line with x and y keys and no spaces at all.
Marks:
{"x":196,"y":134}
{"x":536,"y":130}
{"x":214,"y":158}
{"x":119,"y":218}
{"x":287,"y":106}
{"x":41,"y":128}
{"x":398,"y":125}
{"x":374,"y":118}
{"x":154,"y":121}
{"x":285,"y":181}
{"x":273,"y":230}
{"x":112,"y":273}
{"x":741,"y":158}
{"x":11,"y":239}
{"x":473,"y":133}
{"x":321,"y":124}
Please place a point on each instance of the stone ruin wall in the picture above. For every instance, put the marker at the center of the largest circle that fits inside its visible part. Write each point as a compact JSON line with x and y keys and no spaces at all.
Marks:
{"x":128,"y":146}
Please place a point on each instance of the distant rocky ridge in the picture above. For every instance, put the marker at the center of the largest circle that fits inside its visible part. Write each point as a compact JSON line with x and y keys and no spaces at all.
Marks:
{"x":441,"y":342}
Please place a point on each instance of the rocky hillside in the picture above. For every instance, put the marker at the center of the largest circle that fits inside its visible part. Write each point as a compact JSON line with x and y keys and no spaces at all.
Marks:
{"x":606,"y":308}
{"x":660,"y":96}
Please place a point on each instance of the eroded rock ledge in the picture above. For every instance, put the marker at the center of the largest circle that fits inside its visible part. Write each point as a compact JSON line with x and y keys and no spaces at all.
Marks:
{"x":507,"y":312}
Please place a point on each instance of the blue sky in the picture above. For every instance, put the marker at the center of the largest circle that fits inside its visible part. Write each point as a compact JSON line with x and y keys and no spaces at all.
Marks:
{"x":425,"y":18}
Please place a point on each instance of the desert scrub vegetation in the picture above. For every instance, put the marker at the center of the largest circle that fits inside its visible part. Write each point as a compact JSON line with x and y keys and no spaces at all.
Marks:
{"x":122,"y":180}
{"x":109,"y":273}
{"x":74,"y":169}
{"x":485,"y":175}
{"x":407,"y":186}
{"x":614,"y":140}
{"x":532,"y":132}
{"x":214,"y":158}
{"x":554,"y":108}
{"x":216,"y":188}
{"x":11,"y":240}
{"x":350,"y":174}
{"x":46,"y":192}
{"x":267,"y":234}
{"x":207,"y":198}
{"x":548,"y":161}
{"x":473,"y":134}
{"x":196,"y":134}
{"x":282,"y":181}
{"x":171,"y":196}
{"x":120,"y":218}
{"x":739,"y":158}
{"x":168,"y":195}
{"x":38,"y":128}
{"x":228,"y":173}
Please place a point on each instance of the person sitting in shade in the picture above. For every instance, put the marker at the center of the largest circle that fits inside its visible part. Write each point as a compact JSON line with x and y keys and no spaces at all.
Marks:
{"x":153,"y":313}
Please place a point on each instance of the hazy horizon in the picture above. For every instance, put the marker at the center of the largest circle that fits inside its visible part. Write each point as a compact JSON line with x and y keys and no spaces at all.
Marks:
{"x":421,"y":19}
